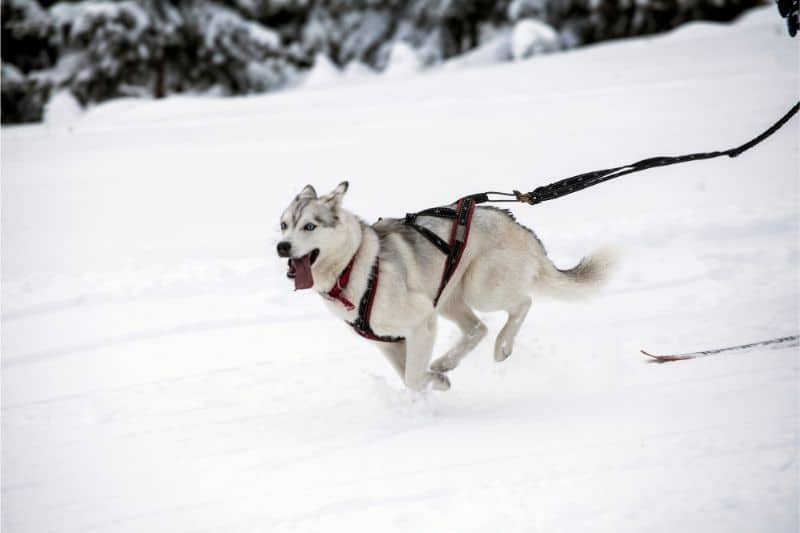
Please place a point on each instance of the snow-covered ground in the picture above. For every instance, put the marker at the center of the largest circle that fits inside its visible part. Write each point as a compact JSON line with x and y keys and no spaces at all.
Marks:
{"x":159,"y":373}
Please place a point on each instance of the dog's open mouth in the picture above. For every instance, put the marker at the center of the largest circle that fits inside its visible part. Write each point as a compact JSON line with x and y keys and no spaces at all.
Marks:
{"x":300,"y":270}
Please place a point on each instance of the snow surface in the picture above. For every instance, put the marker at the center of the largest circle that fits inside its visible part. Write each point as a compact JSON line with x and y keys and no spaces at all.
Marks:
{"x":62,"y":109}
{"x":323,"y":73}
{"x":159,"y":373}
{"x":532,"y":37}
{"x":403,"y":61}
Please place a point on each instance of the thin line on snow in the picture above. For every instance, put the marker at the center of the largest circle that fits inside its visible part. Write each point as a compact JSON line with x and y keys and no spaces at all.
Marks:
{"x":183,"y":329}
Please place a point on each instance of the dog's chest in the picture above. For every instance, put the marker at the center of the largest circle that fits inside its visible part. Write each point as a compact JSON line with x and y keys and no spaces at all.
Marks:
{"x":338,"y":308}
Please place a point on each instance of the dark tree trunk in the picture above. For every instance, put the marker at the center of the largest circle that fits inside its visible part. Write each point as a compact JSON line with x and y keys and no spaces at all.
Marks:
{"x":158,"y":90}
{"x":473,"y":33}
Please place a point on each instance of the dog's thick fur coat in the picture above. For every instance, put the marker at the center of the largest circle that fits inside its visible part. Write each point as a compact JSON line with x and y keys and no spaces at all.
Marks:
{"x":503,"y":263}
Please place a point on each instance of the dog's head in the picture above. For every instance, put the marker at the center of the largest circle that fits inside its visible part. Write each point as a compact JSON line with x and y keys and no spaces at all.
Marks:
{"x":312,"y":232}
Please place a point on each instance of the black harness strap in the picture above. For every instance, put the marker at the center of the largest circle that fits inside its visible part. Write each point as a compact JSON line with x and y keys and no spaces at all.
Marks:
{"x":462,"y":218}
{"x":361,"y":323}
{"x":428,"y":234}
{"x":441,"y":212}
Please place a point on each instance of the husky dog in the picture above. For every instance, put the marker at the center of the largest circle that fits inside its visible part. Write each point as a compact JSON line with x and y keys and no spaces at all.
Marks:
{"x":501,"y":265}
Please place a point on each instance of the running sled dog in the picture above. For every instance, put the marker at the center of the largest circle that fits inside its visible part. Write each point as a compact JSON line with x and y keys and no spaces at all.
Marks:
{"x":390,"y":280}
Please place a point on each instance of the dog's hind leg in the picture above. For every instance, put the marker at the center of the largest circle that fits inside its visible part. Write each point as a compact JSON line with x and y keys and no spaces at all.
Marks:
{"x":472,"y":332}
{"x":419,"y":345}
{"x":504,"y":344}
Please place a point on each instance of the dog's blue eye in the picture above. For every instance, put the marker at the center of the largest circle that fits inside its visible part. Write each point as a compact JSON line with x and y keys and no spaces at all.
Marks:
{"x":283,"y":225}
{"x":309,"y":227}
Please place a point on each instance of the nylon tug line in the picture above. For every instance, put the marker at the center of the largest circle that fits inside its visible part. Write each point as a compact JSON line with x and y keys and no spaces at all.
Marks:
{"x":588,"y":179}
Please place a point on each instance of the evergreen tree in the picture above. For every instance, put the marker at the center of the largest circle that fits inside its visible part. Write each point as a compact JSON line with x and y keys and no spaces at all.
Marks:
{"x":102,"y":49}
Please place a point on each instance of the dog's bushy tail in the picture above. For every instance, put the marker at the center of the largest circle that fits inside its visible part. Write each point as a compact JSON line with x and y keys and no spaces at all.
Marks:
{"x":582,"y":281}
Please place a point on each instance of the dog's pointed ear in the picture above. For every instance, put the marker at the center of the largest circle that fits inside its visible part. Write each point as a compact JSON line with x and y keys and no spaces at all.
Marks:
{"x":308,"y":192}
{"x":334,"y":199}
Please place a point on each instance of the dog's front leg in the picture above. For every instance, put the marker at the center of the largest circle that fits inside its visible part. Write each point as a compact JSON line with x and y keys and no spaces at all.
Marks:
{"x":419,"y":346}
{"x":395,"y":353}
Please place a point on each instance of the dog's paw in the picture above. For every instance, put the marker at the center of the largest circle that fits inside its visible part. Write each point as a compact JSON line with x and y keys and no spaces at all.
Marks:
{"x":502,"y":351}
{"x":444,"y":364}
{"x":440,"y":382}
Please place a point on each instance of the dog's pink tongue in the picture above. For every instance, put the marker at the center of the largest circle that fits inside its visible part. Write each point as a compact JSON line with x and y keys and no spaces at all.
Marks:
{"x":302,"y":277}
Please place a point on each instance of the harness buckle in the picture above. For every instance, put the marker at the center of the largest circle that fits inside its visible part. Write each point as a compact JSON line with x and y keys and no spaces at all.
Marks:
{"x":524,"y":197}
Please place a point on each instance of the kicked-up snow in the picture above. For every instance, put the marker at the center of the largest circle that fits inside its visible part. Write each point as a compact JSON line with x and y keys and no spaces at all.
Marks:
{"x":160,"y":374}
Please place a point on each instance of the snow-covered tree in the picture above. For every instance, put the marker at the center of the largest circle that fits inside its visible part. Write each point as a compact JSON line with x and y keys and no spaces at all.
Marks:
{"x":106,"y":49}
{"x":26,"y":34}
{"x":101,"y":49}
{"x":226,"y":50}
{"x":26,"y":47}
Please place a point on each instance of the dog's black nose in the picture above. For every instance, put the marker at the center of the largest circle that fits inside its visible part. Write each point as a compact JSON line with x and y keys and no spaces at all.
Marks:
{"x":284,"y":247}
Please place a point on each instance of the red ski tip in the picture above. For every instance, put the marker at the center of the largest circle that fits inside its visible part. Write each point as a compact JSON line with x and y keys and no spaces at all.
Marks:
{"x":665,"y":358}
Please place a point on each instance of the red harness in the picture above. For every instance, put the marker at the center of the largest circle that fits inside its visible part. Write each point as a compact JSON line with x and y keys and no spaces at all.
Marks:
{"x":361,"y":323}
{"x":341,"y":284}
{"x":459,"y":234}
{"x":458,"y":241}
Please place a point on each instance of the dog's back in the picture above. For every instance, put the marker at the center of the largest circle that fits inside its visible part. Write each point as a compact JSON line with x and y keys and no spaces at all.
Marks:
{"x":500,"y":251}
